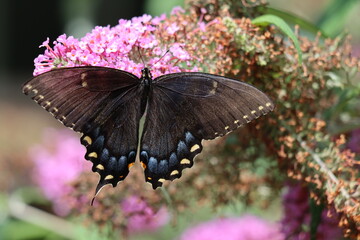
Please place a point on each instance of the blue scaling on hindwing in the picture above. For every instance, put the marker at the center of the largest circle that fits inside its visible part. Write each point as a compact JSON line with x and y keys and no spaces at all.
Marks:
{"x":158,"y":170}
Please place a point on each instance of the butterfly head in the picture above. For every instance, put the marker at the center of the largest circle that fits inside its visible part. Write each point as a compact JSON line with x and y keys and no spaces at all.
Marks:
{"x":146,"y":75}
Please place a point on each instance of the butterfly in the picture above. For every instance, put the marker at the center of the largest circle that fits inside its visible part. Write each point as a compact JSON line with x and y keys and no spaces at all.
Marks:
{"x":180,"y":109}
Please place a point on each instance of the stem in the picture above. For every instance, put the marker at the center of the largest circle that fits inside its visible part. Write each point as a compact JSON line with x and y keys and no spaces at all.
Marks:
{"x":323,"y":166}
{"x":22,"y":211}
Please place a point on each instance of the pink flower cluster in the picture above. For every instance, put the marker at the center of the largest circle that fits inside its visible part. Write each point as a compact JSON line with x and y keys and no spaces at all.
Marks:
{"x":122,"y":46}
{"x":244,"y":228}
{"x":141,"y":217}
{"x":354,"y":141}
{"x":58,"y":161}
{"x":296,"y":222}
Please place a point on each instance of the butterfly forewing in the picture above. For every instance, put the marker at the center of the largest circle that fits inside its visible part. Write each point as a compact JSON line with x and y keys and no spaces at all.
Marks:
{"x":184,"y":109}
{"x":102,"y":103}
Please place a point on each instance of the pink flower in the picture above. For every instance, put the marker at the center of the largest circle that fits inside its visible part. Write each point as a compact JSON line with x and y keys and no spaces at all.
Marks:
{"x":58,"y":161}
{"x":241,"y":228}
{"x":73,"y":55}
{"x":173,"y":28}
{"x":178,"y":51}
{"x":158,"y":20}
{"x":141,"y":217}
{"x":177,"y":10}
{"x":202,"y":26}
{"x":120,"y":47}
{"x":354,"y":141}
{"x":356,"y":51}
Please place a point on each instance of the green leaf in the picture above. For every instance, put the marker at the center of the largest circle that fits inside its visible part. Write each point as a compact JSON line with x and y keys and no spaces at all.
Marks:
{"x":333,"y":19}
{"x":294,"y":19}
{"x":315,"y":211}
{"x":283,"y":26}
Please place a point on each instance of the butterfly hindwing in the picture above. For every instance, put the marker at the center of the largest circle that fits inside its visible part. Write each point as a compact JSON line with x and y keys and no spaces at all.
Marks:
{"x":102,"y":103}
{"x":167,"y":146}
{"x":184,"y":109}
{"x":114,"y":144}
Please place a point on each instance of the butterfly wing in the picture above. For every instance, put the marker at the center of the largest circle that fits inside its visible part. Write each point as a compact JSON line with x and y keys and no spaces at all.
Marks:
{"x":102,"y":103}
{"x":184,"y":109}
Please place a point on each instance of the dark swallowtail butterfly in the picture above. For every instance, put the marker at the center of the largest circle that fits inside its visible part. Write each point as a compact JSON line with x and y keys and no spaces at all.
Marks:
{"x":182,"y":109}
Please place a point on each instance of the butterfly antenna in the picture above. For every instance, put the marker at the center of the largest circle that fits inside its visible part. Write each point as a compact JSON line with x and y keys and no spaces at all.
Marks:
{"x":161,"y":57}
{"x":140,"y":55}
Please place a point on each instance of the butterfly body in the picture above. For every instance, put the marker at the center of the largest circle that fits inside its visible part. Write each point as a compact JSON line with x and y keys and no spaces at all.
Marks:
{"x":181,"y":109}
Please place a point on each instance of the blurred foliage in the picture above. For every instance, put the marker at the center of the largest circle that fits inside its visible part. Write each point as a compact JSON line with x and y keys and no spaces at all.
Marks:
{"x":332,"y":20}
{"x":158,"y":7}
{"x":293,"y":19}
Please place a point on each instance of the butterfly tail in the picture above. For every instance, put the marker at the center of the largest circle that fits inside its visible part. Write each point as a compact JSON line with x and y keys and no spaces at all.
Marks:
{"x":99,"y":187}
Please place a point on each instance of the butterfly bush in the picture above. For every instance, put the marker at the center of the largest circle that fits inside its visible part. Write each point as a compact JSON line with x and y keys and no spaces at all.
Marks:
{"x":354,"y":141}
{"x":141,"y":217}
{"x":237,"y":228}
{"x":57,"y":162}
{"x":123,"y":47}
{"x":297,"y":141}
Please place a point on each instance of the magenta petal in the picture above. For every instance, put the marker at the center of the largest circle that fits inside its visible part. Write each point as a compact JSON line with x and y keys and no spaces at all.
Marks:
{"x":242,"y":228}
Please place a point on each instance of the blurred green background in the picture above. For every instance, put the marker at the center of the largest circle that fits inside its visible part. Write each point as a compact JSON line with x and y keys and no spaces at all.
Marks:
{"x":26,"y":24}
